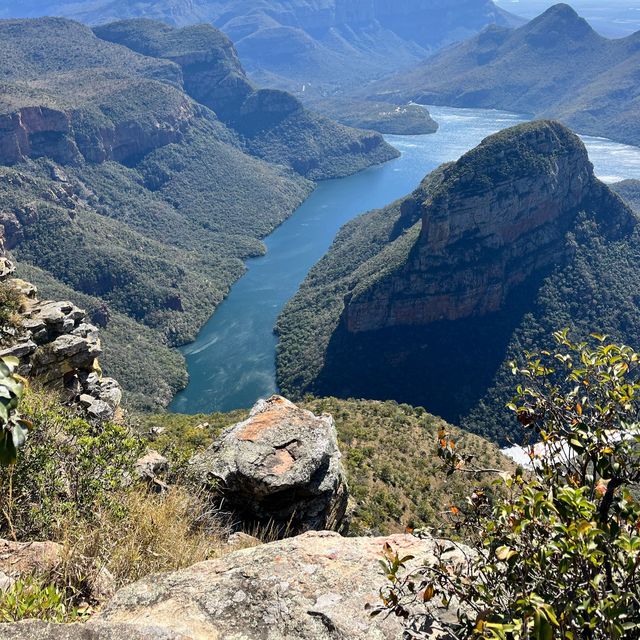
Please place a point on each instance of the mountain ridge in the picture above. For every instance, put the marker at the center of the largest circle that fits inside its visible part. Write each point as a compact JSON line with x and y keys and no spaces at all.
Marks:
{"x":287,"y":44}
{"x":555,"y":66}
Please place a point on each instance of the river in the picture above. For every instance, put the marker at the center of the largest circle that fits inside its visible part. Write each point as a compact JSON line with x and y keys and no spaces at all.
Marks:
{"x":232,"y":362}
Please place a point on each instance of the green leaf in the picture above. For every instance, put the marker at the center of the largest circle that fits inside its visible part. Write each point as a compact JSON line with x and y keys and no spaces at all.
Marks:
{"x":8,"y":453}
{"x":19,"y":435}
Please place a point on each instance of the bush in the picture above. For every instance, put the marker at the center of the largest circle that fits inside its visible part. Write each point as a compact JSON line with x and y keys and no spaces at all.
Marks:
{"x":68,"y":468}
{"x":30,"y":598}
{"x":559,"y":556}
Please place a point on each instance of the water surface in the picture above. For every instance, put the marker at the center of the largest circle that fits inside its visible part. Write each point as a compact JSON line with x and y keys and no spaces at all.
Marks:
{"x":232,"y":362}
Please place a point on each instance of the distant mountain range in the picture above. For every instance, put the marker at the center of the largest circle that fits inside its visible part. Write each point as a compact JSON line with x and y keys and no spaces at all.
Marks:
{"x":426,"y":300}
{"x":315,"y":44}
{"x":554,"y":66}
{"x":136,"y":185}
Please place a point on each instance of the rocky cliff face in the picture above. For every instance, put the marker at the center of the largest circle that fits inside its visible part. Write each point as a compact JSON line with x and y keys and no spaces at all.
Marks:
{"x":38,"y":131}
{"x":58,"y":346}
{"x":499,"y":216}
{"x":427,"y":300}
{"x":272,"y":124}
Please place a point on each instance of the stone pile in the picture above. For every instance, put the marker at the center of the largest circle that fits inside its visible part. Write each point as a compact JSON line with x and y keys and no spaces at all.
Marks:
{"x":59,"y":347}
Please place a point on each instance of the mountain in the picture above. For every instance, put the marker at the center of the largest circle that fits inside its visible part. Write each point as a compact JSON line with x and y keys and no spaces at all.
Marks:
{"x":554,"y":66}
{"x":121,"y":188}
{"x":316,"y":43}
{"x":425,"y":301}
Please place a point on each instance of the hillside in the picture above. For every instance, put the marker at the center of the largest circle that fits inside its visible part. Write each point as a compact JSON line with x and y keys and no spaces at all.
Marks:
{"x":555,"y":66}
{"x":630,"y":192}
{"x":119,"y":185}
{"x":323,"y":44}
{"x":430,"y":296}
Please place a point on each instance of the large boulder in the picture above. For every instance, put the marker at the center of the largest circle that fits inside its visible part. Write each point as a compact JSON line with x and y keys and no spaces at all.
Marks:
{"x":315,"y":586}
{"x":280,"y":467}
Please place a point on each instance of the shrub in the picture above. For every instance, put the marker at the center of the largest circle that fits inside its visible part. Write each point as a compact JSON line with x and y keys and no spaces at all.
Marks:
{"x":559,"y":556}
{"x":67,"y":470}
{"x":13,"y":428}
{"x":30,"y":598}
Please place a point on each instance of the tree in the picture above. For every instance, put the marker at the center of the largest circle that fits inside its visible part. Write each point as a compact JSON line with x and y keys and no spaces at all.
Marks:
{"x":558,"y":556}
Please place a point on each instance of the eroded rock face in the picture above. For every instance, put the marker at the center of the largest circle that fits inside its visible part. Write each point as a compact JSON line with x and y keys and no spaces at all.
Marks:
{"x":38,"y":131}
{"x":282,"y":466}
{"x":500,"y":214}
{"x":314,"y":586}
{"x":58,"y":346}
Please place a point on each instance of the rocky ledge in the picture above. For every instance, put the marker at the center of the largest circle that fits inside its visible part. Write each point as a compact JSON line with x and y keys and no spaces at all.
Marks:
{"x":280,"y":468}
{"x":311,"y":587}
{"x":59,"y":348}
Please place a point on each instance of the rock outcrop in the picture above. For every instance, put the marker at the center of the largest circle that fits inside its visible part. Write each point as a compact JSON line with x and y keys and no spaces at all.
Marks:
{"x":499,"y":215}
{"x":56,"y":345}
{"x":273,"y":124}
{"x":311,"y":587}
{"x":426,"y":300}
{"x":281,"y":467}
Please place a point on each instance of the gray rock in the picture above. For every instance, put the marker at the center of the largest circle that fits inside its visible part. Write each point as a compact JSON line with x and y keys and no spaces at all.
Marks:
{"x":151,"y":465}
{"x":100,"y":410}
{"x":32,"y":630}
{"x":20,"y":349}
{"x":311,"y":587}
{"x":281,"y":467}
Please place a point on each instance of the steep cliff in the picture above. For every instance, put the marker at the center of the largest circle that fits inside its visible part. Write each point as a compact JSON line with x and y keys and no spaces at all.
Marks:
{"x":425,"y":300}
{"x":499,"y":215}
{"x":272,"y":125}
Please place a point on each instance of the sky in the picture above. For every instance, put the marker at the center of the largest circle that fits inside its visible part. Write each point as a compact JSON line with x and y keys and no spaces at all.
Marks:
{"x":613,"y":18}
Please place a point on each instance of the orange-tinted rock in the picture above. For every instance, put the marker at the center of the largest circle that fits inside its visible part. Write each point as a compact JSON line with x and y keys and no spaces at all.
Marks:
{"x":281,"y":466}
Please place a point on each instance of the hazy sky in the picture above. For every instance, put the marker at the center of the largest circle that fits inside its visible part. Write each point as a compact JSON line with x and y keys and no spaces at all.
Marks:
{"x":614,"y":18}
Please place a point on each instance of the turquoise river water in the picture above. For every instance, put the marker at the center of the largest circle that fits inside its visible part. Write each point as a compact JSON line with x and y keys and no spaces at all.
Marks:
{"x":232,"y":362}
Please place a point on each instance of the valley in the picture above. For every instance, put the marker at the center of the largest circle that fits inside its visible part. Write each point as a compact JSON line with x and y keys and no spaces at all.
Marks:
{"x":232,"y":362}
{"x":319,"y":320}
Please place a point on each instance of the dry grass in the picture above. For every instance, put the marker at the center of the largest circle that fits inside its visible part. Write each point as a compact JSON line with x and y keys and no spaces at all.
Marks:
{"x":154,"y":533}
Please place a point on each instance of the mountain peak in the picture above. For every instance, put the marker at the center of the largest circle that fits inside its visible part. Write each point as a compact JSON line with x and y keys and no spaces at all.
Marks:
{"x":563,"y":18}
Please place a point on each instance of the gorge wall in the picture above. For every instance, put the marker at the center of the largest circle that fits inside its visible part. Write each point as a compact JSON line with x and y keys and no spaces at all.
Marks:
{"x":499,"y":216}
{"x":425,"y":301}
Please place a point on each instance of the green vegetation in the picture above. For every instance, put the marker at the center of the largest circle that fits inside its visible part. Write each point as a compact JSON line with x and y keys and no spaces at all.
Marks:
{"x":558,"y":556}
{"x":13,"y":428}
{"x":458,"y":369}
{"x":629,"y":190}
{"x":389,"y":452}
{"x":385,"y":117}
{"x":126,"y":188}
{"x":74,"y":484}
{"x":555,"y":66}
{"x":30,"y":598}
